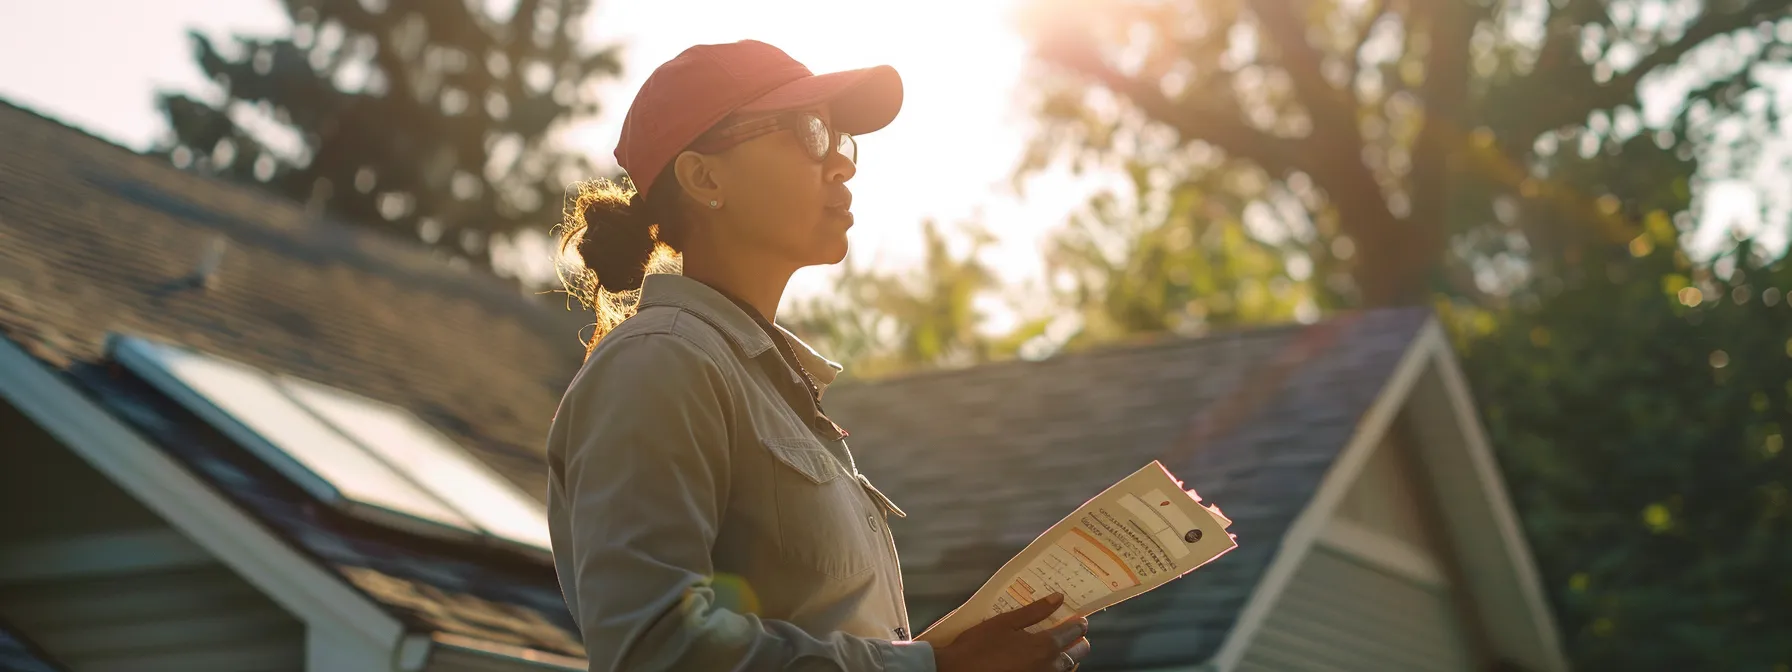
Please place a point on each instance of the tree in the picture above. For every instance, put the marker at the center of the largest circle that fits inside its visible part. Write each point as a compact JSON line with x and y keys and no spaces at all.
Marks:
{"x":1635,"y":393}
{"x":1640,"y":415}
{"x":922,"y":317}
{"x":1405,"y":142}
{"x":423,"y":118}
{"x":1181,"y":263}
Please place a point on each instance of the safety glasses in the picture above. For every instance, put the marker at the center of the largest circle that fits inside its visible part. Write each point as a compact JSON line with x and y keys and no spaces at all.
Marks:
{"x":817,"y":138}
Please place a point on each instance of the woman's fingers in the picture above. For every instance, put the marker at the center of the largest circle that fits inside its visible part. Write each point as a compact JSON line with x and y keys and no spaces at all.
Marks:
{"x":1058,"y":645}
{"x":1025,"y":616}
{"x":1068,"y":633}
{"x":1078,"y":650}
{"x":1073,"y":656}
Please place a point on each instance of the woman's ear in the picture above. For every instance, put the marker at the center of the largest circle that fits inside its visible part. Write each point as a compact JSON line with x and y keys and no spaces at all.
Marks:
{"x":697,"y":177}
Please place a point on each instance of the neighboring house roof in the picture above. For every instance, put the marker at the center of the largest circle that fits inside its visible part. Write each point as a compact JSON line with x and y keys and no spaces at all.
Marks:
{"x":985,"y":459}
{"x":95,"y":239}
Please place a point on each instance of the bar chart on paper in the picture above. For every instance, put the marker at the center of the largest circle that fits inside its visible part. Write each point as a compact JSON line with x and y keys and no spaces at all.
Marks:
{"x":1077,"y":566}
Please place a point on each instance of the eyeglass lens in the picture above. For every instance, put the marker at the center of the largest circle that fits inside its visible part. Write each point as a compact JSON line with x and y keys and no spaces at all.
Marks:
{"x":818,"y":139}
{"x":849,"y":147}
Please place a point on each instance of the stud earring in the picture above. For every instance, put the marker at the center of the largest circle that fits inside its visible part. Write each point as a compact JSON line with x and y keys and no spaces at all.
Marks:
{"x":715,"y":204}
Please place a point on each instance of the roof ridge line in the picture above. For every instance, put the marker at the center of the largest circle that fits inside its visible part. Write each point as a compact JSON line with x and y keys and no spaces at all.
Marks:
{"x":1130,"y":345}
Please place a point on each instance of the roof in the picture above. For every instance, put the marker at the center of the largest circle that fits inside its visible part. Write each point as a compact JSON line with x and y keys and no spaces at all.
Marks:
{"x":97,"y":239}
{"x":985,"y":459}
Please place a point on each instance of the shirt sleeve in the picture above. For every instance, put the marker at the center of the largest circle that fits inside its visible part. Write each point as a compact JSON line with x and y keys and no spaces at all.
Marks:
{"x":643,"y":476}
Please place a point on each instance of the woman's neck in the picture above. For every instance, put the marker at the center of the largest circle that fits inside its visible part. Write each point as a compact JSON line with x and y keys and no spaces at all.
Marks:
{"x":761,"y":289}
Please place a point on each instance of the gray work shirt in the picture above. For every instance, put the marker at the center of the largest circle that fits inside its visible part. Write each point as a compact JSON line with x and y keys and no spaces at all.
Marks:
{"x":702,"y":519}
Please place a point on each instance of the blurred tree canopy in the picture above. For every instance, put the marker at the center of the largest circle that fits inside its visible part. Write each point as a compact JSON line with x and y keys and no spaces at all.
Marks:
{"x":1500,"y":160}
{"x":430,"y":119}
{"x":1639,"y":414}
{"x":917,"y":318}
{"x":1390,"y":149}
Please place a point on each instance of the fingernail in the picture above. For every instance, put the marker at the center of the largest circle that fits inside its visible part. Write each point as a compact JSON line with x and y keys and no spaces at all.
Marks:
{"x":1055,"y":598}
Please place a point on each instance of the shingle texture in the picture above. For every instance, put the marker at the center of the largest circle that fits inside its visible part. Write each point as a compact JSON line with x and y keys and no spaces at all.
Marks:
{"x":985,"y":459}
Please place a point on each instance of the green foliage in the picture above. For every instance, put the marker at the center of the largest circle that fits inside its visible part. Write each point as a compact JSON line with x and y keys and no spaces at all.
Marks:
{"x":922,"y":317}
{"x":425,"y":118}
{"x":1491,"y":156}
{"x":1414,"y":131}
{"x":1188,"y":268}
{"x":1641,"y":415}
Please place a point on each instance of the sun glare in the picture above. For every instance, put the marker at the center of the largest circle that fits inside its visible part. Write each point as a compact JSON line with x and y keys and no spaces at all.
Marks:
{"x":946,"y":157}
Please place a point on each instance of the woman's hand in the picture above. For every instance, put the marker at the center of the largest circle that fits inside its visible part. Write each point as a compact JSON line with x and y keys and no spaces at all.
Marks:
{"x":1002,"y":644}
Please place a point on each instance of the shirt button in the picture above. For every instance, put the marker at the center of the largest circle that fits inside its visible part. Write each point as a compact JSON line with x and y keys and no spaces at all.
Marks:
{"x":872,"y":521}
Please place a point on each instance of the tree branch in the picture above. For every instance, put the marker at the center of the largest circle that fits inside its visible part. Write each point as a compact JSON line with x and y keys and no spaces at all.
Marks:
{"x":1227,"y":131}
{"x":1335,"y":147}
{"x":1333,"y":161}
{"x":1332,"y":113}
{"x":1445,"y":92}
{"x":1622,"y":88}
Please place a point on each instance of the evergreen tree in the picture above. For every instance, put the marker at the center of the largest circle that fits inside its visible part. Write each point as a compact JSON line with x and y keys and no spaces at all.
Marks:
{"x":432,"y":119}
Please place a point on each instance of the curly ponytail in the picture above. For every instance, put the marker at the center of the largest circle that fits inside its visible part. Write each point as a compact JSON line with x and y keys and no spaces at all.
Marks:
{"x":619,"y":237}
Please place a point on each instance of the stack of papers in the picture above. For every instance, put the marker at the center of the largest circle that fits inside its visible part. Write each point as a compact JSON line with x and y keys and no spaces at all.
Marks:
{"x":1133,"y":537}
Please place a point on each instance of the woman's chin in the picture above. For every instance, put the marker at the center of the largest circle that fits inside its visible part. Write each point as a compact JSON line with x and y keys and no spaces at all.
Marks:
{"x":835,"y":253}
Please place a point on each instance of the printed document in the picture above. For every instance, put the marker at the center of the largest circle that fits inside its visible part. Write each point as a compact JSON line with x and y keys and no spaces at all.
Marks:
{"x":1133,"y":537}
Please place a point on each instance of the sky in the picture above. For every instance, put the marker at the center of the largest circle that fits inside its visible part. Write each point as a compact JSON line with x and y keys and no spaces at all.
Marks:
{"x":948,"y":156}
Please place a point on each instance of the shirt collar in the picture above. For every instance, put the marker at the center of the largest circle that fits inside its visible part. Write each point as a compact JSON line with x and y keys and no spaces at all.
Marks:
{"x":670,"y":289}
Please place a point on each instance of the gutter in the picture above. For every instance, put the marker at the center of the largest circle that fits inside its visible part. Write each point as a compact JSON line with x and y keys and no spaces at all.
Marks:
{"x":417,"y":650}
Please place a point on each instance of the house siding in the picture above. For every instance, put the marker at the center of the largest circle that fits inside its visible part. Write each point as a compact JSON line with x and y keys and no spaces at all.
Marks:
{"x":1342,"y":614}
{"x":1387,"y":498}
{"x":101,"y":584}
{"x":192,"y":620}
{"x":1349,"y":607}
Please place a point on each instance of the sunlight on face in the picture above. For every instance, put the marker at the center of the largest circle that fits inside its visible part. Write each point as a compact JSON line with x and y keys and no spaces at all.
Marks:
{"x":947,"y":153}
{"x":778,"y":197}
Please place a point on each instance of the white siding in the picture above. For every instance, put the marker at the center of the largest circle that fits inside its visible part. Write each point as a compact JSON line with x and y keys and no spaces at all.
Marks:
{"x":1374,"y":593}
{"x":101,"y":584}
{"x":1386,"y":498}
{"x":1342,"y":614}
{"x":185,"y":619}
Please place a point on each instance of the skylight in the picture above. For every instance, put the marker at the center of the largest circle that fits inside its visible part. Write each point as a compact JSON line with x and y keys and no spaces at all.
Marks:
{"x":366,"y":457}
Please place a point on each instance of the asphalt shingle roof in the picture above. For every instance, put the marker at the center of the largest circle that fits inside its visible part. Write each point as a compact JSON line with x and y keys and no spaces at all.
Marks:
{"x":985,"y":459}
{"x":96,"y":239}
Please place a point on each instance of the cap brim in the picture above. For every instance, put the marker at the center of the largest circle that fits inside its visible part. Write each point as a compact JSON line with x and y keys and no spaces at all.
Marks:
{"x":860,"y":101}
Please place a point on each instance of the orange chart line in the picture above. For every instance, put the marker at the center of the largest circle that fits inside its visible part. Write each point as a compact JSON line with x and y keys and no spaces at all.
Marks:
{"x":1110,"y":553}
{"x":1089,"y":563}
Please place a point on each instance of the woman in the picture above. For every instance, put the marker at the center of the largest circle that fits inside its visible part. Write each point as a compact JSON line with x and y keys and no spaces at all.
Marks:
{"x":706,"y":514}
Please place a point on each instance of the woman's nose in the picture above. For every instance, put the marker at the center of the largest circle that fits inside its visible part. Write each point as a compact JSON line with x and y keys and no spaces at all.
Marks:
{"x":838,"y":168}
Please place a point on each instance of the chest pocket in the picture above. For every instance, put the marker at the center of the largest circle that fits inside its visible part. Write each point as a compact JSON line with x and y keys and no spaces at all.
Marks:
{"x":822,"y":516}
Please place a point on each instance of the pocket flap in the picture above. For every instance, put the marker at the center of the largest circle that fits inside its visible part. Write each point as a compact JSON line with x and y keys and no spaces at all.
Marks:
{"x":806,"y":456}
{"x":882,"y":499}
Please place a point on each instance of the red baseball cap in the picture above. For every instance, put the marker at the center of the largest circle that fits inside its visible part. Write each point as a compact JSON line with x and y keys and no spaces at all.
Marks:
{"x":703,"y":85}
